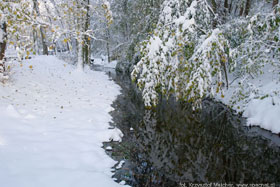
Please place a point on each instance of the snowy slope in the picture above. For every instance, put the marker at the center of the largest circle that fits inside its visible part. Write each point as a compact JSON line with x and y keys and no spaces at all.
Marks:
{"x":261,"y":106}
{"x":53,"y":121}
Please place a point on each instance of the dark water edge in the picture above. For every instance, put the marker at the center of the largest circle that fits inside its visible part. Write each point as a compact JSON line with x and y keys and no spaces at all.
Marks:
{"x":174,"y":146}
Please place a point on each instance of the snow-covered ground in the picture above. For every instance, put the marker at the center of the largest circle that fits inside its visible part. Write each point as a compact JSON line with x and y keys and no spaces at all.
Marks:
{"x":261,"y":102}
{"x":53,"y":120}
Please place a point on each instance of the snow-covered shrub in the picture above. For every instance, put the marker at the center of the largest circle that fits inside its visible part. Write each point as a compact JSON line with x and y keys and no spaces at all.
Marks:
{"x":192,"y":56}
{"x":260,"y":46}
{"x":21,"y":24}
{"x":184,"y":57}
{"x":257,"y":52}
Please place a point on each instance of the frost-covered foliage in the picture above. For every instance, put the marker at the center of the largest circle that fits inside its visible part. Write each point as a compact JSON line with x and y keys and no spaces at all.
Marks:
{"x":184,"y":57}
{"x":256,"y":57}
{"x":35,"y":25}
{"x":133,"y":20}
{"x":19,"y":19}
{"x":259,"y":45}
{"x":73,"y":25}
{"x":192,"y":54}
{"x":108,"y":13}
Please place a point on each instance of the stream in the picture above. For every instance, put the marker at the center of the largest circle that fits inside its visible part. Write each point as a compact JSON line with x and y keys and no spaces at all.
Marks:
{"x":174,"y":146}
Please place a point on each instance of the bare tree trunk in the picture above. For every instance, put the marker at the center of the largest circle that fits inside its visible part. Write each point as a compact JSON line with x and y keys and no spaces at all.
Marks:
{"x":235,"y":11}
{"x":51,"y":21}
{"x":108,"y":44}
{"x":43,"y":37}
{"x":226,"y":74}
{"x":86,"y":50}
{"x":80,"y":64}
{"x":35,"y":41}
{"x":4,"y":42}
{"x":214,"y":7}
{"x":86,"y":47}
{"x":247,"y":7}
{"x":3,"y":27}
{"x":226,"y":6}
{"x":42,"y":32}
{"x":225,"y":10}
{"x":230,"y":7}
{"x":274,"y":3}
{"x":241,"y":11}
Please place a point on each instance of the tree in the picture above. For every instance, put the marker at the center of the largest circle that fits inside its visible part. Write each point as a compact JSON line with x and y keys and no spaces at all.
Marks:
{"x":3,"y":43}
{"x":68,"y":23}
{"x":16,"y":21}
{"x":86,"y":47}
{"x":274,"y":3}
{"x":129,"y":29}
{"x":195,"y":47}
{"x":108,"y":22}
{"x":76,"y":15}
{"x":41,"y":29}
{"x":184,"y":56}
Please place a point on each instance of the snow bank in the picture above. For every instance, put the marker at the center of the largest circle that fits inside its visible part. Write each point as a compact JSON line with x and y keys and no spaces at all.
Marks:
{"x":264,"y":114}
{"x":53,"y":121}
{"x":261,"y":106}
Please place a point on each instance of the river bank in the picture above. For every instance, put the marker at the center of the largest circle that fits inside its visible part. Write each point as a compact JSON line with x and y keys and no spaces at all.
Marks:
{"x":173,"y":144}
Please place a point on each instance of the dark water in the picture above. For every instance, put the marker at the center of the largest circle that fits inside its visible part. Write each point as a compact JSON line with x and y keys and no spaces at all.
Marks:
{"x":174,"y":146}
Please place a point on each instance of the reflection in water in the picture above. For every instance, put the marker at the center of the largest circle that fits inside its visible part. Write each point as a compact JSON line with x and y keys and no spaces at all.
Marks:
{"x":173,"y":144}
{"x":204,"y":147}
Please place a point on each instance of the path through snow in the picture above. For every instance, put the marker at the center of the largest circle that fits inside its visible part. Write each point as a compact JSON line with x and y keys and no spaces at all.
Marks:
{"x":53,"y":121}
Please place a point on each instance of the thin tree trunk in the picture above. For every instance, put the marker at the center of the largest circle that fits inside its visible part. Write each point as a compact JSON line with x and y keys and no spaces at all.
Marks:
{"x":274,"y":3}
{"x":247,"y":7}
{"x":235,"y":11}
{"x":226,"y":74}
{"x":35,"y":41}
{"x":241,"y":11}
{"x":108,"y":45}
{"x":226,"y":10}
{"x":80,"y":64}
{"x":3,"y":44}
{"x":43,"y":36}
{"x":214,"y":7}
{"x":86,"y":47}
{"x":51,"y":21}
{"x":226,"y":6}
{"x":230,"y":7}
{"x":42,"y":32}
